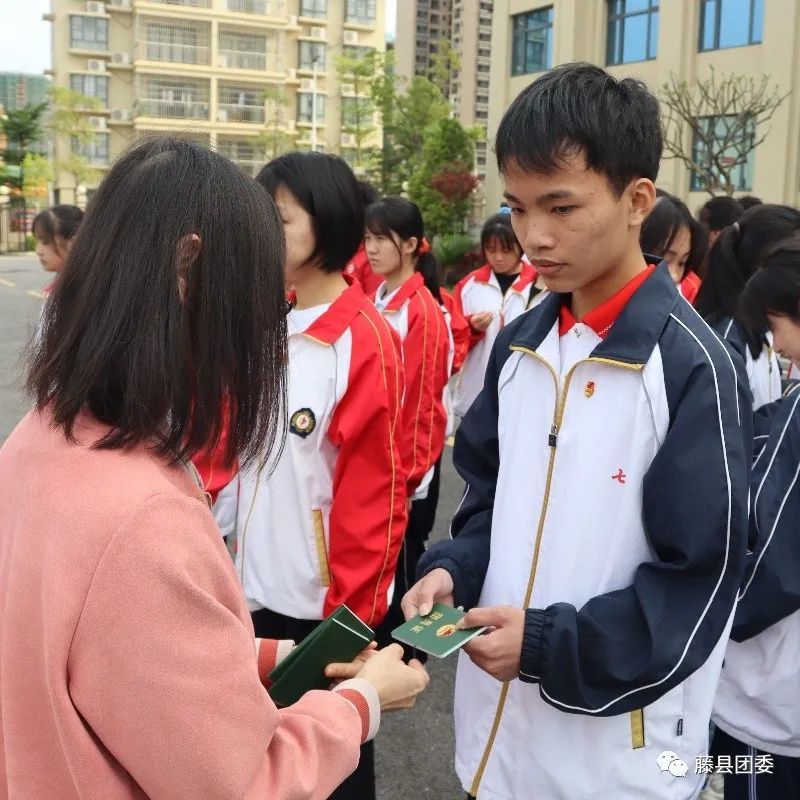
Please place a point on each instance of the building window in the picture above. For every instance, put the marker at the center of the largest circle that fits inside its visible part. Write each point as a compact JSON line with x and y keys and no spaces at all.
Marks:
{"x":632,"y":31}
{"x":95,"y":152}
{"x":730,"y":23}
{"x":314,"y":8}
{"x":356,"y":111}
{"x":356,"y":52}
{"x":742,"y":175}
{"x":361,"y":12}
{"x":304,"y":103}
{"x":532,"y":45}
{"x":88,"y":33}
{"x":311,"y":52}
{"x":90,"y":86}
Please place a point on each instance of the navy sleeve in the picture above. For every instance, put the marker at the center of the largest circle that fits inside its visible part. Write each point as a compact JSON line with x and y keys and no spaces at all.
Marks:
{"x":625,"y":649}
{"x":771,"y":588}
{"x":476,"y":458}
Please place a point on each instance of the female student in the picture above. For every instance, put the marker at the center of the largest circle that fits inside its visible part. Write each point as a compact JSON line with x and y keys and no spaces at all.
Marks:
{"x":129,"y":663}
{"x":757,"y":706}
{"x":330,"y":508}
{"x":670,"y":232}
{"x":54,"y":230}
{"x":733,"y":259}
{"x":398,"y":250}
{"x":489,"y":298}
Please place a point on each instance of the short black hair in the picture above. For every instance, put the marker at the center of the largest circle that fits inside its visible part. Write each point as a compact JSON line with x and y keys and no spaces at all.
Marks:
{"x":775,"y":286}
{"x":119,"y":340}
{"x":720,"y":212}
{"x":369,"y":194}
{"x":580,"y":108}
{"x":58,"y":222}
{"x":748,"y":201}
{"x":663,"y":224}
{"x":736,"y":255}
{"x":327,"y":189}
{"x":498,"y":226}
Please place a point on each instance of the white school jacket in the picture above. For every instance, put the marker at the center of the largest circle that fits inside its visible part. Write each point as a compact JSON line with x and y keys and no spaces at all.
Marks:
{"x":479,"y":291}
{"x":323,"y":524}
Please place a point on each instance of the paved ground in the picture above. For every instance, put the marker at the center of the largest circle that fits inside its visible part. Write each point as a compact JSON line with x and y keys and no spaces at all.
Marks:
{"x":415,"y":748}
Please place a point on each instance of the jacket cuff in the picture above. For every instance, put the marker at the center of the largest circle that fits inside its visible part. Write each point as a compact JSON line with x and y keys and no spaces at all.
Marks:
{"x":449,"y":565}
{"x":364,"y":698}
{"x":270,"y":653}
{"x":532,"y":661}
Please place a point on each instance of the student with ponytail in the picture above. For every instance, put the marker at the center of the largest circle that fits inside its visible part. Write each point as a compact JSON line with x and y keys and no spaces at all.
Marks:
{"x":410,"y":300}
{"x":734,"y":258}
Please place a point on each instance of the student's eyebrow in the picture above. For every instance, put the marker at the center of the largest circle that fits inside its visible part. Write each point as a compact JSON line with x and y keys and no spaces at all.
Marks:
{"x":556,"y":194}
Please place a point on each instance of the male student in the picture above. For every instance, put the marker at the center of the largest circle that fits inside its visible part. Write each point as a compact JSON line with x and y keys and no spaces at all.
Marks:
{"x":602,"y":532}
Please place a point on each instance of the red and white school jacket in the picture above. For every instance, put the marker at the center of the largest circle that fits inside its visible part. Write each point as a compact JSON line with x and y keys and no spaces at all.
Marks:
{"x":322,"y":525}
{"x":479,"y":291}
{"x":459,"y":328}
{"x":426,"y":343}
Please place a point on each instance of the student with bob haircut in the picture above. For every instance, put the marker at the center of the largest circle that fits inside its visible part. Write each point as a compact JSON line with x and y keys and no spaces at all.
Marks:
{"x":490,"y":297}
{"x":671,"y":233}
{"x":757,"y":707}
{"x":322,"y":523}
{"x":129,"y":664}
{"x":54,"y":229}
{"x":608,"y":589}
{"x":732,"y":261}
{"x":717,"y":214}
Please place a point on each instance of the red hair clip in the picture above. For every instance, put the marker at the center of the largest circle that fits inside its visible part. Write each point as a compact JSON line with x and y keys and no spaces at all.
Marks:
{"x":424,"y":246}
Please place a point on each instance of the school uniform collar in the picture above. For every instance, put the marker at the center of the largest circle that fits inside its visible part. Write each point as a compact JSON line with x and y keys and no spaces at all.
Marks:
{"x":328,"y":327}
{"x":415,"y":282}
{"x":526,"y":277}
{"x":633,"y":334}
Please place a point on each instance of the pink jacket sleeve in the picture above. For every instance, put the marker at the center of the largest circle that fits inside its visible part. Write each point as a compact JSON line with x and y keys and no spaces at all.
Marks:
{"x":163,"y":668}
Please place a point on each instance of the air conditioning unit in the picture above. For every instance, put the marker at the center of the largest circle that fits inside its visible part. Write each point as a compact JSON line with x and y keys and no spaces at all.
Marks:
{"x":351,"y":37}
{"x":95,"y":8}
{"x":222,"y":115}
{"x":348,"y":140}
{"x":121,"y":59}
{"x":306,"y":85}
{"x":96,"y":65}
{"x":98,"y":123}
{"x":316,"y":32}
{"x":121,"y":115}
{"x":348,"y":89}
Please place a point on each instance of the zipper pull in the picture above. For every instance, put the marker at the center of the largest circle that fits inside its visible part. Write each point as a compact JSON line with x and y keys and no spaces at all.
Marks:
{"x":552,"y":439}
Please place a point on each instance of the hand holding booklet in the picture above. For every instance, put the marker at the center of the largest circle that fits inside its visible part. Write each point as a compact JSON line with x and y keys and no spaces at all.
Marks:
{"x":436,"y":633}
{"x":339,"y":638}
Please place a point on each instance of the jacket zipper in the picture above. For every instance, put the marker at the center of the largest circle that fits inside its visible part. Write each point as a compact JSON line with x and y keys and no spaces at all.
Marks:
{"x":552,"y":441}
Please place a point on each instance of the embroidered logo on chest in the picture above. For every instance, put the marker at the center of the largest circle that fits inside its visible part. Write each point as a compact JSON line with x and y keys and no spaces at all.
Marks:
{"x":589,"y":389}
{"x":302,"y":422}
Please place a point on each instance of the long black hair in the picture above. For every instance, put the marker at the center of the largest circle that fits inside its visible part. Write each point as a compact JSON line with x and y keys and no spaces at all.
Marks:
{"x":775,"y":287}
{"x":662,"y":226}
{"x":58,"y":222}
{"x":498,"y":227}
{"x":157,"y":359}
{"x":398,"y":215}
{"x":735,"y":257}
{"x":325,"y":186}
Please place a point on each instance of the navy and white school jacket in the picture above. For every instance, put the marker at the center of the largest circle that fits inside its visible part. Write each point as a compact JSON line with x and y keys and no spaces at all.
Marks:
{"x":758,"y":698}
{"x":322,"y":525}
{"x":763,"y":372}
{"x":606,"y":494}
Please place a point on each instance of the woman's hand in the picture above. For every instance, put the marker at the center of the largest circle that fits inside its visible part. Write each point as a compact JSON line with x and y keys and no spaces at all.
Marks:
{"x":342,"y":672}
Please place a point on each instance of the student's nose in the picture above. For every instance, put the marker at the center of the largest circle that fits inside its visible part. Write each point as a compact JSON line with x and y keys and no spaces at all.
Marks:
{"x":537,"y":239}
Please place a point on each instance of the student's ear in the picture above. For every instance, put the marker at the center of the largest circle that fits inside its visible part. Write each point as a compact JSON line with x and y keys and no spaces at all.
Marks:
{"x":409,"y":246}
{"x":188,"y":252}
{"x":642,"y":197}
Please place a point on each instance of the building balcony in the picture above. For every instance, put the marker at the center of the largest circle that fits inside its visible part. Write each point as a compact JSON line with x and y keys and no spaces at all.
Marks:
{"x":174,"y":109}
{"x":235,"y":59}
{"x":189,"y":3}
{"x":272,"y":8}
{"x":174,"y":53}
{"x":174,"y":41}
{"x":231,"y":112}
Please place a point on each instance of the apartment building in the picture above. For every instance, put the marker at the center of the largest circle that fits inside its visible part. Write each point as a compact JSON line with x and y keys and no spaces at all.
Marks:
{"x":18,"y":90}
{"x":652,"y":40}
{"x":227,"y":73}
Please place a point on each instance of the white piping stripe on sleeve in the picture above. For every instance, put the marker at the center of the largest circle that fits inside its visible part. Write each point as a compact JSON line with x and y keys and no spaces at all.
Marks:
{"x":774,"y":525}
{"x":771,"y":462}
{"x":450,"y":527}
{"x":724,"y":564}
{"x":728,"y":329}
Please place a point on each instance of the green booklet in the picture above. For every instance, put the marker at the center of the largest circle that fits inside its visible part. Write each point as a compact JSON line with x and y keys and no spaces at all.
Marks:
{"x":436,"y":633}
{"x":339,"y":638}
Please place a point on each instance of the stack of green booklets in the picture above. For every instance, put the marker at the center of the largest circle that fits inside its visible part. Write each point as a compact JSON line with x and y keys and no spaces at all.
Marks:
{"x":338,"y":639}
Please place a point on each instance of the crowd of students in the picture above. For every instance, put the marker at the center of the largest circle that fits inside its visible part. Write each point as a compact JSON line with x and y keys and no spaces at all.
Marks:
{"x":279,"y":361}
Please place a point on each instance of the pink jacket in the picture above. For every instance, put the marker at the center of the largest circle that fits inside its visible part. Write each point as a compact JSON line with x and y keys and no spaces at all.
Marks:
{"x":128,"y":666}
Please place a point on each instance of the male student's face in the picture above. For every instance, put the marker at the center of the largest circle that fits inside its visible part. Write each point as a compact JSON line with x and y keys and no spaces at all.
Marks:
{"x":570,"y":223}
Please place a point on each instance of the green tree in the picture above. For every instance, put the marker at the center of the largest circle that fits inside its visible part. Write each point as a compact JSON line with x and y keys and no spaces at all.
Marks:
{"x":276,"y":139}
{"x":357,"y":70}
{"x":442,"y":185}
{"x":38,"y":174}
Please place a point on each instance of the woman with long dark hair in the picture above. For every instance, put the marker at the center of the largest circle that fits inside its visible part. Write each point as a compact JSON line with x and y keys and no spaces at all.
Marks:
{"x":734,"y":258}
{"x":129,"y":664}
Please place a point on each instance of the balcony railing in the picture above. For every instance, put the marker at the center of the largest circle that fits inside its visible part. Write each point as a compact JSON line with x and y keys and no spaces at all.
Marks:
{"x":233,"y":112}
{"x":174,"y":109}
{"x":237,"y":59}
{"x":192,"y":3}
{"x":175,"y":53}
